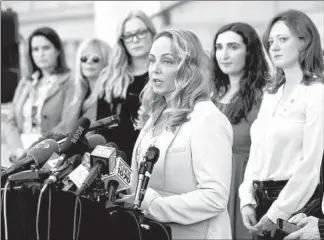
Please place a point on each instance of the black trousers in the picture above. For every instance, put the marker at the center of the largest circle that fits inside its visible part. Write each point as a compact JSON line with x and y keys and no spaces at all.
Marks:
{"x":265,"y":193}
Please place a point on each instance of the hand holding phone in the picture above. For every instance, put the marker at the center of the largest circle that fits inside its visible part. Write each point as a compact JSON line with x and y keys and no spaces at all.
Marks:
{"x":287,"y":227}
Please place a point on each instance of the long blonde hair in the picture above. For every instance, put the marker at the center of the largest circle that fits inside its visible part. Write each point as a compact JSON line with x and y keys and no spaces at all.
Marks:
{"x":80,"y":81}
{"x":192,"y":80}
{"x":116,"y":77}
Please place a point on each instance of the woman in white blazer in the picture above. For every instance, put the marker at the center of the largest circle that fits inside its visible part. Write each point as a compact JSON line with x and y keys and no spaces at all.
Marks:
{"x":190,"y":183}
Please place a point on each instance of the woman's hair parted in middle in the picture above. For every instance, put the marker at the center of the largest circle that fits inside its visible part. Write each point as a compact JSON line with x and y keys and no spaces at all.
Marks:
{"x":80,"y":80}
{"x":256,"y":71}
{"x":192,"y":80}
{"x":116,"y":77}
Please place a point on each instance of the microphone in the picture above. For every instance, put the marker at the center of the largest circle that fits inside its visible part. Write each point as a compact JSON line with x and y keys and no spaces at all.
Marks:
{"x":111,"y":121}
{"x":85,"y":145}
{"x":28,"y":175}
{"x":69,"y":147}
{"x":93,"y":141}
{"x":37,"y":155}
{"x":118,"y":178}
{"x":100,"y":158}
{"x":151,"y":157}
{"x":48,"y":135}
{"x":75,"y":179}
{"x":141,"y":172}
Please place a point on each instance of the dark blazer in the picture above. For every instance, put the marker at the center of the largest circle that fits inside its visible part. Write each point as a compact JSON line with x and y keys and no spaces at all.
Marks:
{"x":53,"y":110}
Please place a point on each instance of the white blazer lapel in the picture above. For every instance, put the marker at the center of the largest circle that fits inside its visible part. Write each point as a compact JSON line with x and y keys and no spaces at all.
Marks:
{"x":165,"y":144}
{"x":166,"y":138}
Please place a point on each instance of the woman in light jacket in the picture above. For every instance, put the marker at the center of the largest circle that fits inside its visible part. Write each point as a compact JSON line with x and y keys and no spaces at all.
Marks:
{"x":91,"y":58}
{"x":41,"y":98}
{"x":190,"y":183}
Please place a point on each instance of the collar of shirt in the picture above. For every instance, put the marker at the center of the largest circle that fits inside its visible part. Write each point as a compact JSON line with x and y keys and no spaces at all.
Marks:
{"x":35,"y":79}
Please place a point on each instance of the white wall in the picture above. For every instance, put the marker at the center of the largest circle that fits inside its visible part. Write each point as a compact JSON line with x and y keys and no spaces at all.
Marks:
{"x":108,"y":13}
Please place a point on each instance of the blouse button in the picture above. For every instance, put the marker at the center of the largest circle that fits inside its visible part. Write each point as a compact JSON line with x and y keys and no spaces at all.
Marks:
{"x":45,"y":116}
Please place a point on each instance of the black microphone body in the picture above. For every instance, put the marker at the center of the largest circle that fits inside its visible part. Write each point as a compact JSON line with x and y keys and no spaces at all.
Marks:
{"x":71,"y":164}
{"x":100,"y":159}
{"x":37,"y":156}
{"x":87,"y":145}
{"x":93,"y":174}
{"x":104,"y":122}
{"x":151,"y":157}
{"x":118,"y":178}
{"x":28,"y":175}
{"x":69,"y":147}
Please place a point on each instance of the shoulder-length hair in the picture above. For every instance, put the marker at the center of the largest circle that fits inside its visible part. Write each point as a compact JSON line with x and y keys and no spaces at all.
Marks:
{"x":52,"y":36}
{"x":81,"y":83}
{"x":116,"y":77}
{"x":255,"y":74}
{"x":192,"y":80}
{"x":310,"y":55}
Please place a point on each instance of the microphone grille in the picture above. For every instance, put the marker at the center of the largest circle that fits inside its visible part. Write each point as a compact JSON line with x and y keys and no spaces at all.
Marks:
{"x":152,"y":154}
{"x":42,"y":151}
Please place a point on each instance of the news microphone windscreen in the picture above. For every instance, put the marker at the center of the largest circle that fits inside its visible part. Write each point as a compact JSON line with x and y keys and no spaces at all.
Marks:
{"x":152,"y":154}
{"x":76,"y":134}
{"x":104,"y":154}
{"x":42,"y":151}
{"x":108,"y":121}
{"x":95,"y":140}
{"x":112,"y":144}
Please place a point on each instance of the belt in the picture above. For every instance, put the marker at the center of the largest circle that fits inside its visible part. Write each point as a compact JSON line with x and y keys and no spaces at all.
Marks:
{"x":271,"y":183}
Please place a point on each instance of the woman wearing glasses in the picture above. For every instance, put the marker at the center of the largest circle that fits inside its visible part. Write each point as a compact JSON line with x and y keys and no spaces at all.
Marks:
{"x":121,"y":82}
{"x":41,"y":98}
{"x":91,"y":58}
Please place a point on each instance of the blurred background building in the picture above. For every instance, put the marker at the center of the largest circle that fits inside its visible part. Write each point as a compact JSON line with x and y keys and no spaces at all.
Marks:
{"x":77,"y":20}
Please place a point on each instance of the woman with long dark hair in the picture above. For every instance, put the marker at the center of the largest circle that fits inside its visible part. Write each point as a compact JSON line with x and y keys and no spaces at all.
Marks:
{"x":240,"y":69}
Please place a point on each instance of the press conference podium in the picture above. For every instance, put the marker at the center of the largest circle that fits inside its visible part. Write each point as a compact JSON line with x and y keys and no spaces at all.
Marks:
{"x":22,"y":209}
{"x":97,"y":222}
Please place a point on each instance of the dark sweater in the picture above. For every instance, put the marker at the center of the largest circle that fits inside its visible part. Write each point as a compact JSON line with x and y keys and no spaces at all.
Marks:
{"x":124,"y":135}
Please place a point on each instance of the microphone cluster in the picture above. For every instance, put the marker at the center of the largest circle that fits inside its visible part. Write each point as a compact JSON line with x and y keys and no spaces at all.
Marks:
{"x":87,"y":166}
{"x":66,"y":162}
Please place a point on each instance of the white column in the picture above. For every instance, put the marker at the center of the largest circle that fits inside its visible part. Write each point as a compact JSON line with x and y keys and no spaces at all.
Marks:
{"x":108,"y":14}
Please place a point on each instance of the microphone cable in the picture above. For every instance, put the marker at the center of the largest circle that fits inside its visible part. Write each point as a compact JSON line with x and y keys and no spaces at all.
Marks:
{"x":49,"y":211}
{"x":5,"y":210}
{"x":76,"y":229}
